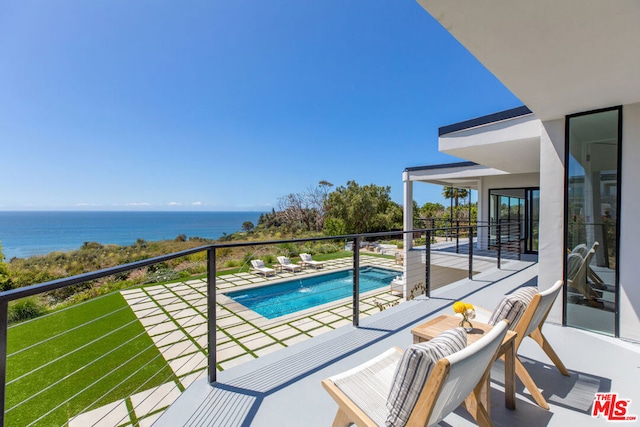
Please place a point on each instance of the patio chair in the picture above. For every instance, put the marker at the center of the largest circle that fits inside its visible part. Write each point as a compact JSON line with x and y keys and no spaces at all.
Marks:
{"x":258,"y":267}
{"x":286,"y":263}
{"x":397,"y":285}
{"x":369,"y":394}
{"x":577,"y":278}
{"x":529,"y":309}
{"x":307,"y":261}
{"x":582,"y":250}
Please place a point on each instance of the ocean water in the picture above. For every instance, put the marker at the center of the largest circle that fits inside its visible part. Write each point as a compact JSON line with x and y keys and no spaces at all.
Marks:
{"x":24,"y":234}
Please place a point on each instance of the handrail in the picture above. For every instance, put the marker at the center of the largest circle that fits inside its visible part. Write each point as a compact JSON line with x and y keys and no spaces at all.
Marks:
{"x":15,"y":294}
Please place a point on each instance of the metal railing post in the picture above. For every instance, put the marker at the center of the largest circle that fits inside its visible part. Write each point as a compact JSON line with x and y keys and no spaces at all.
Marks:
{"x":499,"y":242}
{"x":4,"y":308}
{"x":356,"y":282}
{"x":457,"y":236}
{"x":427,"y":261}
{"x":211,"y":314}
{"x":470,"y":252}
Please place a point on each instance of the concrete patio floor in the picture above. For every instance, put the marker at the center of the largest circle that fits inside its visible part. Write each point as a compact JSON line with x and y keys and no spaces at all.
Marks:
{"x":283,"y":388}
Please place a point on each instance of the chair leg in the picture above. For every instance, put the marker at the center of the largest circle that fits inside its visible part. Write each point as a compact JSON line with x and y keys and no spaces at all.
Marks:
{"x":528,"y":382}
{"x":341,"y":419}
{"x":544,"y":344}
{"x":474,"y":406}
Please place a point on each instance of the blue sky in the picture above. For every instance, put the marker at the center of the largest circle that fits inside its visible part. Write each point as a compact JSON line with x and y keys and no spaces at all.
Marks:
{"x":224,"y":105}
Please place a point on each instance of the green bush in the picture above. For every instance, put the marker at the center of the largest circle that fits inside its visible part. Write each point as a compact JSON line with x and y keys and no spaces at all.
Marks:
{"x":232,"y":263}
{"x":288,"y":249}
{"x":25,"y":309}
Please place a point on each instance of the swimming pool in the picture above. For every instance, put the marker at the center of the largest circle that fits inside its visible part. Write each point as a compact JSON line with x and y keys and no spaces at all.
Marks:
{"x":294,"y":295}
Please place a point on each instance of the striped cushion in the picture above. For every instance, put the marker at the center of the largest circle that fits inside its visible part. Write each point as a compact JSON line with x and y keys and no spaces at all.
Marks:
{"x":414,"y":369}
{"x":513,"y":306}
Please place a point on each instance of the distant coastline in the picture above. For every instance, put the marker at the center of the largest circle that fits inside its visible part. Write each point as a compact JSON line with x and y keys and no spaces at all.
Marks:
{"x":28,"y":233}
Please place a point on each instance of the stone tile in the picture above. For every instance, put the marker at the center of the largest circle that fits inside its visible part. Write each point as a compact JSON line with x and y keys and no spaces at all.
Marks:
{"x":237,"y":361}
{"x":156,"y":290}
{"x":148,"y":421}
{"x":176,"y":306}
{"x":255,"y":341}
{"x":283,"y":332}
{"x":198,"y":330}
{"x":187,"y":312}
{"x":321,"y":330}
{"x":229,"y":350}
{"x":196,"y":297}
{"x":154,"y":319}
{"x":147,"y":312}
{"x":179,"y":349}
{"x":170,"y":338}
{"x":189,"y":363}
{"x":306,"y":324}
{"x":340,"y":323}
{"x":109,"y":415}
{"x":227,"y":322}
{"x":144,"y":306}
{"x":296,"y":339}
{"x":326,"y":317}
{"x":269,"y":349}
{"x":203,"y":341}
{"x":161,"y":328}
{"x":154,"y":399}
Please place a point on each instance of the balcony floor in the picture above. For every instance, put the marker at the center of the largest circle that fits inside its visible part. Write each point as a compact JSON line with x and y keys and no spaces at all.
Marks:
{"x":283,"y":388}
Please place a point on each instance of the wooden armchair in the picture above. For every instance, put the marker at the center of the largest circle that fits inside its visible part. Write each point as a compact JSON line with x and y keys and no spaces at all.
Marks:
{"x":361,"y":393}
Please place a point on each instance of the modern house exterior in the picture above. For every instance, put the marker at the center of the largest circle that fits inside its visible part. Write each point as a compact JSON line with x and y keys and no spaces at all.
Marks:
{"x":568,"y":160}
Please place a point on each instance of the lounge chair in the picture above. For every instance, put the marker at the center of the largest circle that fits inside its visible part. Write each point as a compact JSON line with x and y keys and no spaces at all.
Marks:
{"x":526,"y":310}
{"x":258,"y":267}
{"x":307,"y":261}
{"x":286,"y":263}
{"x":368,"y":394}
{"x":397,"y":285}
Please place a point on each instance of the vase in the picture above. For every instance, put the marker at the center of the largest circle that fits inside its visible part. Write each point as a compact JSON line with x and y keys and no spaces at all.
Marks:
{"x":465,"y":323}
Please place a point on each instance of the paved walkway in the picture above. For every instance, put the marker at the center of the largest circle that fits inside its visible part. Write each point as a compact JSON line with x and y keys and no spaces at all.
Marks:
{"x":174,"y":316}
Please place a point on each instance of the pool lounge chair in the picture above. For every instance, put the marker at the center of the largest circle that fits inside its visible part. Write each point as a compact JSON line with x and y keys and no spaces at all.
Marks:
{"x":258,"y":267}
{"x":458,"y":378}
{"x":286,"y":264}
{"x":307,"y":261}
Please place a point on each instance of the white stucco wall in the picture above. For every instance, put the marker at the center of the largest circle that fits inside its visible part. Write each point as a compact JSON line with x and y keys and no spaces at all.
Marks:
{"x":630,"y":225}
{"x":551,"y":252}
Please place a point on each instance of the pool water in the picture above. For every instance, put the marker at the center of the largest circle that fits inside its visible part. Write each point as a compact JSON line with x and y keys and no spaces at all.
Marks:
{"x":299,"y":294}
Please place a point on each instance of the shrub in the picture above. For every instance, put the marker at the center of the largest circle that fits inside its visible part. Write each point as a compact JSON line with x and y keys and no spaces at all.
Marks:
{"x":232,"y":263}
{"x":25,"y":309}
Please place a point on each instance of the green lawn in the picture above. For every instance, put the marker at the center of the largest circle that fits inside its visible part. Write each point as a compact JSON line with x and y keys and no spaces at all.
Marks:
{"x":38,"y":370}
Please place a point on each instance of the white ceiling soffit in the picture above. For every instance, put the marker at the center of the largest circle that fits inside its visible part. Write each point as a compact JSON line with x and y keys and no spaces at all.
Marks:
{"x":461,"y":177}
{"x":558,"y":57}
{"x":511,"y":145}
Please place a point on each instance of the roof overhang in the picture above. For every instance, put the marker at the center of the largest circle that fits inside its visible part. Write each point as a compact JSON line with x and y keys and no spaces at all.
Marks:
{"x":459,"y":175}
{"x":511,"y":145}
{"x":557,"y":57}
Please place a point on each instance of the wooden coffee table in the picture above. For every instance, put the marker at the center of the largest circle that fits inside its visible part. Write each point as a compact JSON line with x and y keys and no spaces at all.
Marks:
{"x":434,"y":327}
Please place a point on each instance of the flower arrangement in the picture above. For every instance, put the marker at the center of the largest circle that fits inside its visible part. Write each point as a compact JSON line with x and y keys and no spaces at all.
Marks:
{"x":467,"y":311}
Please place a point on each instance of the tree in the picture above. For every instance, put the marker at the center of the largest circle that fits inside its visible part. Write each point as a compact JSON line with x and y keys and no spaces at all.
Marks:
{"x":305,"y":210}
{"x":247,"y":226}
{"x":455,"y":194}
{"x":361,"y":209}
{"x":5,"y":280}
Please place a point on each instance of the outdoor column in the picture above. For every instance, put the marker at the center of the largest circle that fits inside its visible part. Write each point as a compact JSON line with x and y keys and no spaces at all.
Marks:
{"x":407,"y":225}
